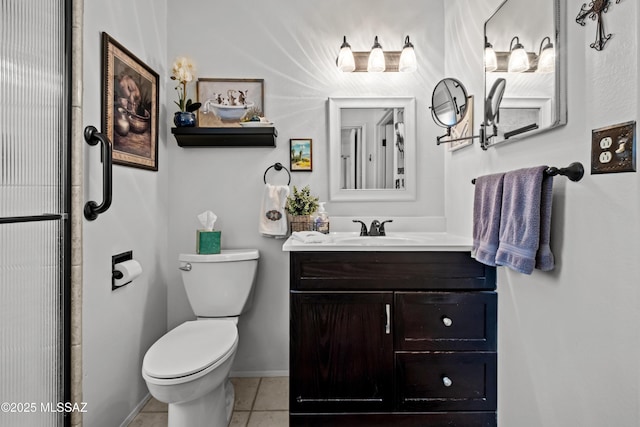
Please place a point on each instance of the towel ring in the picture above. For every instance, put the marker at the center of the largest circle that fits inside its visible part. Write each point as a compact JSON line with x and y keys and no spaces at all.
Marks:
{"x":277,"y":166}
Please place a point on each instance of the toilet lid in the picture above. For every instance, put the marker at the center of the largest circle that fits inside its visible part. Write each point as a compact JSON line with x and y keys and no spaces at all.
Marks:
{"x":225,"y":255}
{"x":190,"y":348}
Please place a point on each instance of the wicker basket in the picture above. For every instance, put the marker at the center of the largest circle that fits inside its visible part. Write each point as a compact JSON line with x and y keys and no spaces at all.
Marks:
{"x":305,"y":223}
{"x":300,"y":223}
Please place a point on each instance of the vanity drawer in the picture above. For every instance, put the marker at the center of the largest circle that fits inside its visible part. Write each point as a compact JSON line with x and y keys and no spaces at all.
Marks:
{"x":464,"y":321}
{"x":389,"y":271}
{"x":444,"y":381}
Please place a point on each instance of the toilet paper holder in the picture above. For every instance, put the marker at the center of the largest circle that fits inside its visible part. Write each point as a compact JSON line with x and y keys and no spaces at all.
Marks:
{"x":115,"y":274}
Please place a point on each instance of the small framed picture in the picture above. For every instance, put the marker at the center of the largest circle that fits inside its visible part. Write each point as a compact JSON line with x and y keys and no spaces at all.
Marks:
{"x":130,"y":101}
{"x":226,"y":102}
{"x":301,"y":157}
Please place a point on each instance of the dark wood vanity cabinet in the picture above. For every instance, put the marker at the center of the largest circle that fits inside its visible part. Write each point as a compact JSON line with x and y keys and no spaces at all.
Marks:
{"x":392,"y":339}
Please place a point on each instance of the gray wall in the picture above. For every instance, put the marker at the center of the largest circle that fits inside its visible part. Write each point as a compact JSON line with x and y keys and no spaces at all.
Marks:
{"x":568,"y":343}
{"x":118,"y":327}
{"x":292,"y":46}
{"x":568,"y":346}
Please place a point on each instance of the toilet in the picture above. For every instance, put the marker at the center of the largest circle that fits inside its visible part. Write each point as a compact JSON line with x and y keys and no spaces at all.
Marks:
{"x":189,"y":366}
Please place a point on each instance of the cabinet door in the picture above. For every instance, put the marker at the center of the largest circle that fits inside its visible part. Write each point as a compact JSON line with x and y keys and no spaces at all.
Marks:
{"x":341,"y":356}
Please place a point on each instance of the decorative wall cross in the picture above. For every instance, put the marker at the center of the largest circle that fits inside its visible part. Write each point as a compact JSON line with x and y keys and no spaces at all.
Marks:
{"x":594,"y":11}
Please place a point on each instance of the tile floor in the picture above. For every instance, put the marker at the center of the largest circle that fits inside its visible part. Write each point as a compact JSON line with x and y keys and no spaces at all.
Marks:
{"x":260,"y":402}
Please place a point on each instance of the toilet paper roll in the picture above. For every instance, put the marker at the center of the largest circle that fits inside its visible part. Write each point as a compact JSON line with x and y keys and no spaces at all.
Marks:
{"x":130,"y":270}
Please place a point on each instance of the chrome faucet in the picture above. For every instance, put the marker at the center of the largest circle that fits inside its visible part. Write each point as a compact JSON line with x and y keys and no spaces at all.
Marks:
{"x":376,"y":228}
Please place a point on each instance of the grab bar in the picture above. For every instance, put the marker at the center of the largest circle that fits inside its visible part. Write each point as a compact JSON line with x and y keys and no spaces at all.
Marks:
{"x":91,"y":208}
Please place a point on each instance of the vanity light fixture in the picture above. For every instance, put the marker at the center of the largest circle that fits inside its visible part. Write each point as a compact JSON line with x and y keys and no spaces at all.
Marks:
{"x":518,"y":59}
{"x":546,"y":57}
{"x":376,"y":60}
{"x":490,"y":58}
{"x":345,"y":61}
{"x":407,"y":62}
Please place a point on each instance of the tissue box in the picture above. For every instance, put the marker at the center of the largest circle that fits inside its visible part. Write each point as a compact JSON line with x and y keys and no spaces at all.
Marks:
{"x":208,"y":242}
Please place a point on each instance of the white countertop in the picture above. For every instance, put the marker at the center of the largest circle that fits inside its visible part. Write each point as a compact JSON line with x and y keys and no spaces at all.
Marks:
{"x":396,"y":241}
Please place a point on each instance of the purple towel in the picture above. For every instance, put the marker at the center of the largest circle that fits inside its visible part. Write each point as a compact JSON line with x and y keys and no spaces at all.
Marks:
{"x":523,"y":221}
{"x":486,"y":218}
{"x":544,"y":258}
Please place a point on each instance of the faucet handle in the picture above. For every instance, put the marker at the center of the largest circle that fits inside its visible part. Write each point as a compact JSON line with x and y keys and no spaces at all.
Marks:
{"x":381,"y":228}
{"x":363,"y":227}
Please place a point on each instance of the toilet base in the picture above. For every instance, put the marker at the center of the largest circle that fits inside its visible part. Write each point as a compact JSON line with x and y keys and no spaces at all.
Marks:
{"x":214,"y":409}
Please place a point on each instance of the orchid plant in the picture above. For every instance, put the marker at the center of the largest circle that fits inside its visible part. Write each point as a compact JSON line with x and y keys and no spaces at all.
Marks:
{"x":184,"y":72}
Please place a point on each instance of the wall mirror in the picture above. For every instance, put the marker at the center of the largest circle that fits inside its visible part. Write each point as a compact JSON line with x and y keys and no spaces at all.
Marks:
{"x":524,"y":45}
{"x":372,"y":149}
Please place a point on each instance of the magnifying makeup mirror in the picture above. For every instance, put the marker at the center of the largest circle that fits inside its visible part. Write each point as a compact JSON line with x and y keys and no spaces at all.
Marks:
{"x":492,"y":104}
{"x":492,"y":109}
{"x":449,"y":106}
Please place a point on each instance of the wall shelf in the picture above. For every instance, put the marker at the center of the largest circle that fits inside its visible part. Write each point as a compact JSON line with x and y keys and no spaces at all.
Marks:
{"x":225,"y":137}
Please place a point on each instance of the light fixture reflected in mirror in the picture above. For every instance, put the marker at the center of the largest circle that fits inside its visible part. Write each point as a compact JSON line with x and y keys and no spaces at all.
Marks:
{"x":546,"y":57}
{"x":376,"y":62}
{"x":518,"y":59}
{"x":407,"y":62}
{"x":345,"y":61}
{"x":490,"y":58}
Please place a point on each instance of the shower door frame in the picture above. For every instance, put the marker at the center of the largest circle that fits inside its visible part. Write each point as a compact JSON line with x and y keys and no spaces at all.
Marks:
{"x":65,"y":217}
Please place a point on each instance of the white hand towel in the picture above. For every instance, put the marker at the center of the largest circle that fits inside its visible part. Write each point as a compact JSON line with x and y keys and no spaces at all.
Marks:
{"x":273,"y":218}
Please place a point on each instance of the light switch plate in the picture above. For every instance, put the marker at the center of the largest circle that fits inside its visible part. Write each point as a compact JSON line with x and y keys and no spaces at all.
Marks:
{"x":613,"y":148}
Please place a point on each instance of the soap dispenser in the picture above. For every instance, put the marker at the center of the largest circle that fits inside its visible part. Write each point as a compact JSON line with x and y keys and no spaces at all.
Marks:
{"x":321,"y":219}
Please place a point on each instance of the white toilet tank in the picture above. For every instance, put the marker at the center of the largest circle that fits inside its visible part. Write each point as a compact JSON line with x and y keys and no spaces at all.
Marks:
{"x":220,"y":285}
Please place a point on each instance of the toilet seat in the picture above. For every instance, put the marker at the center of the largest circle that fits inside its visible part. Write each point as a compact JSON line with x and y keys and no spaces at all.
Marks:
{"x":189,"y":350}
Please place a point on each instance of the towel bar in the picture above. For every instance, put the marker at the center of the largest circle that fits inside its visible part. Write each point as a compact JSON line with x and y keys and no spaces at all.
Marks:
{"x":575,"y":172}
{"x":277,"y":166}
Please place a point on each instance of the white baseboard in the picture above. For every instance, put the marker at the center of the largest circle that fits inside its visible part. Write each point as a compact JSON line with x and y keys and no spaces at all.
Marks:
{"x":136,"y":410}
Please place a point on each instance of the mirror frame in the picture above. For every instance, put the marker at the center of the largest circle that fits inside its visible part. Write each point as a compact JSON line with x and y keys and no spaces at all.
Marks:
{"x":560,"y":107}
{"x":408,"y":193}
{"x":434,"y":115}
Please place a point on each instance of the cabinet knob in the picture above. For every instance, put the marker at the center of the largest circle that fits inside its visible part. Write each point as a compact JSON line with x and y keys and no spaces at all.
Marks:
{"x":447,"y":381}
{"x":447,"y":321}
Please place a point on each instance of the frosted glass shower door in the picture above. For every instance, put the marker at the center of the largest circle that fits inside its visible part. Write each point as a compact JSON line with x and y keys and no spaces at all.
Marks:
{"x":34,"y":117}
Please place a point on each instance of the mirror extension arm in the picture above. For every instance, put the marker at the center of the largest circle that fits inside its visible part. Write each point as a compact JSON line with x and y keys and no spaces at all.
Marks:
{"x":448,"y":134}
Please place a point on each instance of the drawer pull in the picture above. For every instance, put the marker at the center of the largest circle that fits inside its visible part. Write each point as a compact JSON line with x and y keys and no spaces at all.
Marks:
{"x":447,"y":381}
{"x":387,"y":327}
{"x":447,"y":321}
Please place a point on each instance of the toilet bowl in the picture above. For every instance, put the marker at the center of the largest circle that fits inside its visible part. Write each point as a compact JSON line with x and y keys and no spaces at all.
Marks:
{"x":188,"y":368}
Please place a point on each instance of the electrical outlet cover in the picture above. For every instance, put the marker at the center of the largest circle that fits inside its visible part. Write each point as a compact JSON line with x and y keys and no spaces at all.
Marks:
{"x":613,"y":148}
